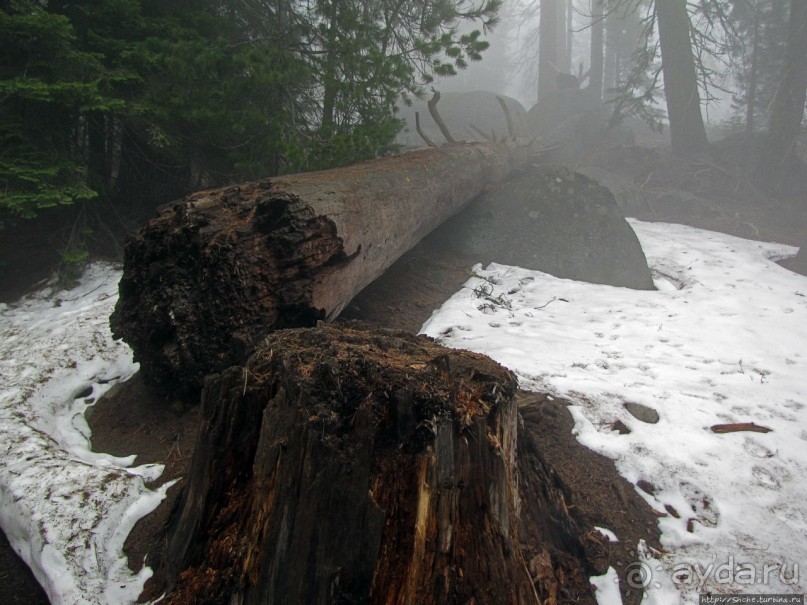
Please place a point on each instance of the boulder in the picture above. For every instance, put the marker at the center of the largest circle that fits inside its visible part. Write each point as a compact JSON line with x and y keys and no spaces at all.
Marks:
{"x":799,"y":262}
{"x":459,"y":110}
{"x":629,"y":196}
{"x":553,"y":220}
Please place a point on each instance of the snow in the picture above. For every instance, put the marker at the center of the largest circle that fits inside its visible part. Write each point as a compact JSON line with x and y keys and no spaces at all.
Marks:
{"x":722,"y":340}
{"x":65,"y":509}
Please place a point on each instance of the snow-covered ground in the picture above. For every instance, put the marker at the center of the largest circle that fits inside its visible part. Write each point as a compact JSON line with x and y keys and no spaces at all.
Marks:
{"x":66,"y":510}
{"x":721,"y":341}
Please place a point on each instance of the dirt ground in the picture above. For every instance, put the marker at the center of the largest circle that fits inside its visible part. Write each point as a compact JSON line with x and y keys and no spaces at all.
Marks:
{"x":404,"y":297}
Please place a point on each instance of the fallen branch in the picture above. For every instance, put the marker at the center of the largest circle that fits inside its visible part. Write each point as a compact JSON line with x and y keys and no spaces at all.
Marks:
{"x":736,"y":427}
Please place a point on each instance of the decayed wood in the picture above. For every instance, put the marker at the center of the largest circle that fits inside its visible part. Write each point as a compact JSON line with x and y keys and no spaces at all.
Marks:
{"x":352,"y":466}
{"x":218,"y":270}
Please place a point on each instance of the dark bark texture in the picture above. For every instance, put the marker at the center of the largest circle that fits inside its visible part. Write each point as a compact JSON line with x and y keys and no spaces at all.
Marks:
{"x":354,"y":466}
{"x":220,"y":269}
{"x":687,"y":132}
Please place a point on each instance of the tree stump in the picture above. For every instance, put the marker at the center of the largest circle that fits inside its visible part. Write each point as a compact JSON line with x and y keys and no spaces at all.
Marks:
{"x":355,"y":466}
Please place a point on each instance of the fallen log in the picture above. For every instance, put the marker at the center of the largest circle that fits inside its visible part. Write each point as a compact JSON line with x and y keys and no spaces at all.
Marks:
{"x":218,"y":270}
{"x":350,"y":466}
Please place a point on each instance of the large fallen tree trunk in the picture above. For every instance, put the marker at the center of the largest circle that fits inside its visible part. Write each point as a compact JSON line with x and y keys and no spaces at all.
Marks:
{"x":218,"y":270}
{"x":352,"y":466}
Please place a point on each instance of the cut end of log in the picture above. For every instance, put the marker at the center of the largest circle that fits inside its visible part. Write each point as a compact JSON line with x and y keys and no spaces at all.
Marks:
{"x":201,"y":283}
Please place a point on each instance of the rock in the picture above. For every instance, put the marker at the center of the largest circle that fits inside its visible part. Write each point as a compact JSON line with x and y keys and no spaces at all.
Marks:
{"x":553,"y":220}
{"x":799,"y":262}
{"x":620,"y":427}
{"x":642,"y":412}
{"x":628,"y":195}
{"x":646,"y":487}
{"x":459,"y":110}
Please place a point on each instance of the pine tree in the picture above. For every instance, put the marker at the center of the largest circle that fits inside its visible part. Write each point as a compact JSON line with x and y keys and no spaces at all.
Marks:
{"x":48,"y":85}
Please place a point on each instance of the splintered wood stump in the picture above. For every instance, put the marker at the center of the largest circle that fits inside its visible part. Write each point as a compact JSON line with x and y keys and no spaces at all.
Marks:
{"x":352,"y":466}
{"x":220,"y":269}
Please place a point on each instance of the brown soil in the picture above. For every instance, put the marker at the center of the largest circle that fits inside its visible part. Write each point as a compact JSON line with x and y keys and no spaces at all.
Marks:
{"x":129,"y":420}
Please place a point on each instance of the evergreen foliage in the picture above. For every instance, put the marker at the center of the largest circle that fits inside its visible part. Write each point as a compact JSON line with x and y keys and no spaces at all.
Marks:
{"x":147,"y":99}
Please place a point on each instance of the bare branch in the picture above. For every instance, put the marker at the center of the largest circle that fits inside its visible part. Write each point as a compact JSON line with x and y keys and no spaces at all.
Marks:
{"x":432,"y":105}
{"x":423,"y":136}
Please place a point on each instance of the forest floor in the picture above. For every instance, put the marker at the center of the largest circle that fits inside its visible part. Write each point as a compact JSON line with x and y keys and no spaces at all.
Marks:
{"x":404,"y":298}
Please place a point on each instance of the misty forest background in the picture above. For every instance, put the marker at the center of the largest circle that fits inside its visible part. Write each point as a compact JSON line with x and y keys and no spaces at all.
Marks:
{"x":109,"y":108}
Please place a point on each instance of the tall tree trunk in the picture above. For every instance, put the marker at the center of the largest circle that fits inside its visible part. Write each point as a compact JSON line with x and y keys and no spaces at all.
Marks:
{"x":570,"y":34}
{"x":613,"y":33}
{"x":98,"y":164}
{"x":752,"y":78}
{"x":787,"y":111}
{"x":595,"y":76}
{"x":210,"y":277}
{"x":687,"y":131}
{"x":329,"y":78}
{"x":561,"y":29}
{"x":547,"y":49}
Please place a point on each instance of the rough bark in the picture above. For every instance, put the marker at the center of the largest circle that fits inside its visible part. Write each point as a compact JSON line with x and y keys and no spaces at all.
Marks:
{"x":349,"y":466}
{"x":218,"y":270}
{"x":687,"y":132}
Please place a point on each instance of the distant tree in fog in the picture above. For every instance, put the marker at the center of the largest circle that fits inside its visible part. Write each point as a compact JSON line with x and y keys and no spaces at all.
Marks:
{"x":787,"y":108}
{"x":596,"y":70}
{"x":757,"y":55}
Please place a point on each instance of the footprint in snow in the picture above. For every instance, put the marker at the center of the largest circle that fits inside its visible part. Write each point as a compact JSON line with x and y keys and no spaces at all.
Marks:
{"x":765,"y":478}
{"x":701,"y":504}
{"x":756,"y":449}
